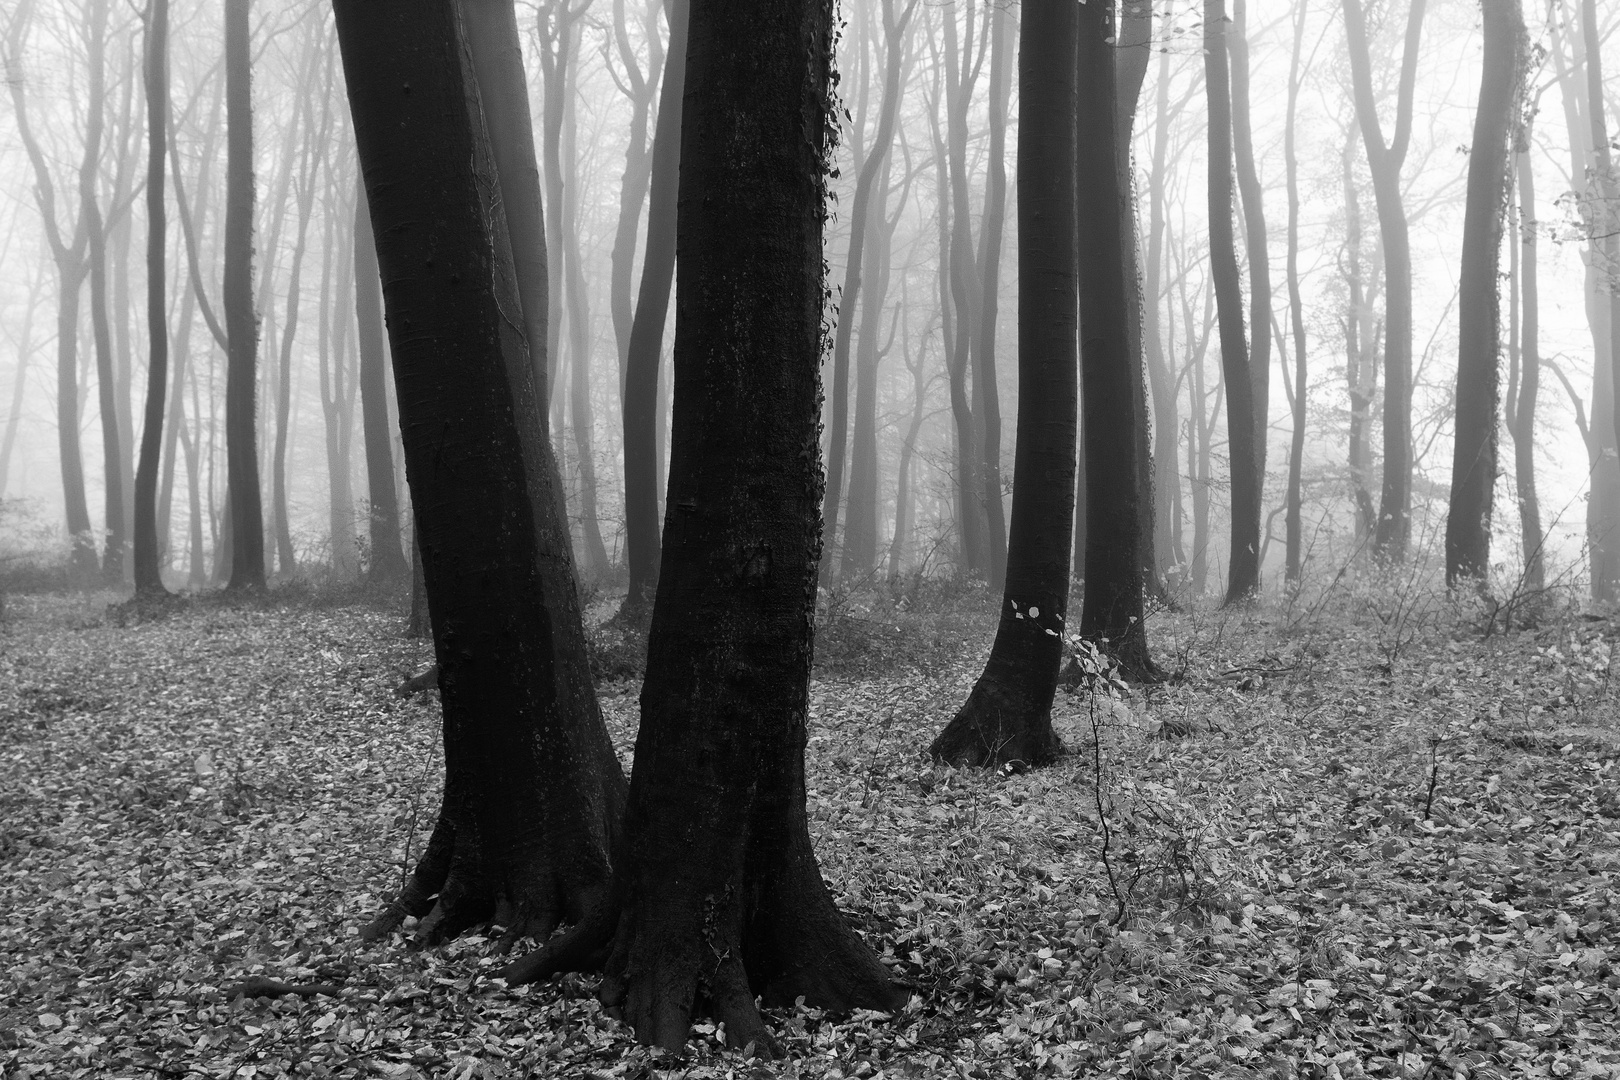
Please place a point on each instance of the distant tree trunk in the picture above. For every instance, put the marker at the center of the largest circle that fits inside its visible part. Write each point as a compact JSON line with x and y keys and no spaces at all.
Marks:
{"x":1605,"y":219}
{"x":1296,"y":313}
{"x":1523,"y":391}
{"x":1360,"y":361}
{"x":1473,"y":463}
{"x":25,"y":349}
{"x":1130,"y":70}
{"x":986,"y":395}
{"x":533,"y":791}
{"x":1384,"y":161}
{"x":1254,"y":219}
{"x":241,"y":325}
{"x":1166,"y":427}
{"x":1112,"y":616}
{"x":579,"y":342}
{"x":645,"y":351}
{"x":335,"y":395}
{"x":640,"y":89}
{"x":1243,"y":570}
{"x":148,"y":572}
{"x":717,"y":895}
{"x":1008,"y":715}
{"x":388,"y":566}
{"x":899,"y":542}
{"x":871,"y":198}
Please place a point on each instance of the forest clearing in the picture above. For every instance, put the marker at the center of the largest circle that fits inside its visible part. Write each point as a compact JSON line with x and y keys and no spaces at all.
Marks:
{"x":1362,"y":840}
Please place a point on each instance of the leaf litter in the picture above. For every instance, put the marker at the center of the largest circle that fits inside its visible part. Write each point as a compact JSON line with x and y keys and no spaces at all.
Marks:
{"x":1313,"y":856}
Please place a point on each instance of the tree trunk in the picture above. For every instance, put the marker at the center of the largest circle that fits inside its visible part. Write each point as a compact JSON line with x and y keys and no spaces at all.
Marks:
{"x":645,"y":351}
{"x":1243,"y":570}
{"x":1166,"y":471}
{"x":532,"y":788}
{"x":148,"y":572}
{"x":25,"y":349}
{"x":986,"y":394}
{"x":345,"y":557}
{"x":899,"y":543}
{"x":241,"y":325}
{"x":1384,"y":161}
{"x":1254,"y":220}
{"x":388,"y":566}
{"x":1112,"y":616}
{"x":718,"y":893}
{"x":1522,"y":397}
{"x":1360,"y":361}
{"x":1293,"y":561}
{"x":1473,"y":463}
{"x":640,"y":89}
{"x":1605,"y":218}
{"x":1008,"y":715}
{"x":1130,"y":70}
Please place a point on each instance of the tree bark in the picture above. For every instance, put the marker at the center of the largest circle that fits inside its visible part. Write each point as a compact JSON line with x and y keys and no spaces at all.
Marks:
{"x":388,"y":566}
{"x":1166,"y":483}
{"x":148,"y":572}
{"x":1523,"y":393}
{"x":336,"y":393}
{"x":1293,"y":560}
{"x":1254,"y":220}
{"x":1243,"y":568}
{"x":1384,"y":161}
{"x":1473,"y":463}
{"x":717,"y":893}
{"x":1605,"y":218}
{"x":1112,"y":616}
{"x":241,"y":325}
{"x":640,"y":89}
{"x":986,"y":394}
{"x":645,"y":351}
{"x":532,"y":788}
{"x":1008,"y":715}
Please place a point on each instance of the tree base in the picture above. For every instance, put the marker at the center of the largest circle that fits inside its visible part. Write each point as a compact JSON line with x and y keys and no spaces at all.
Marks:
{"x":999,"y":725}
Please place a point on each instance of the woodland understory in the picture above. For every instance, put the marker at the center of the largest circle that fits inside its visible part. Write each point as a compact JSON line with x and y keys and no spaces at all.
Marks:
{"x":1370,"y":833}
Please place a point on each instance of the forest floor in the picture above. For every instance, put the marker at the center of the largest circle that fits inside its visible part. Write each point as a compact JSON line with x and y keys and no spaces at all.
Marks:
{"x":1367,"y":839}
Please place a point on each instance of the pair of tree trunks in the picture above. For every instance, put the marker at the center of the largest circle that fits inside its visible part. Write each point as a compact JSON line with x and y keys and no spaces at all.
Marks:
{"x":148,"y":571}
{"x":715,"y":892}
{"x":1007,"y":716}
{"x":1473,"y":467}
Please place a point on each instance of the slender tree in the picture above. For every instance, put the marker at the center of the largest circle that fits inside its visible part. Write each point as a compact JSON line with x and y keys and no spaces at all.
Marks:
{"x":148,"y":573}
{"x":532,"y":789}
{"x":1259,"y":258}
{"x":645,"y":350}
{"x":1008,"y":715}
{"x":1132,"y":54}
{"x":1473,"y":463}
{"x":1296,"y":312}
{"x":241,"y":325}
{"x":640,"y":88}
{"x":1243,"y":569}
{"x":717,"y":897}
{"x":388,"y":566}
{"x":1605,"y":214}
{"x":1524,"y":380}
{"x":1384,"y":160}
{"x":986,"y":395}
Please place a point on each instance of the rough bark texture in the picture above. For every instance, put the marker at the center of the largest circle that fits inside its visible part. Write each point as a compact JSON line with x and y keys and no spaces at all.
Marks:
{"x":642,"y":361}
{"x":1243,"y":569}
{"x":388,"y":566}
{"x":1008,"y":715}
{"x":148,"y":575}
{"x":1384,"y":160}
{"x":241,"y":324}
{"x":717,"y":897}
{"x":532,"y":789}
{"x":1473,"y":462}
{"x":1112,"y":616}
{"x":986,"y":394}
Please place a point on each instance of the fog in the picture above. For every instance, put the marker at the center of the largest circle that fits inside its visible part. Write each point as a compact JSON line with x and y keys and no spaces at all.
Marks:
{"x":612,"y":53}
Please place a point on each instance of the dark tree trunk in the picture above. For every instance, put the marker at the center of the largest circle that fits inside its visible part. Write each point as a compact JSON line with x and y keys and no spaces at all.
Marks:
{"x":241,"y":325}
{"x":1112,"y":616}
{"x":532,"y":788}
{"x":642,"y":361}
{"x":1296,"y":315}
{"x":1384,"y":161}
{"x":1522,"y":398}
{"x":148,"y":575}
{"x":717,"y":893}
{"x":1473,"y":463}
{"x":1243,"y":569}
{"x":418,"y":625}
{"x":388,"y":565}
{"x":640,"y":88}
{"x":1254,"y":220}
{"x":1008,"y":715}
